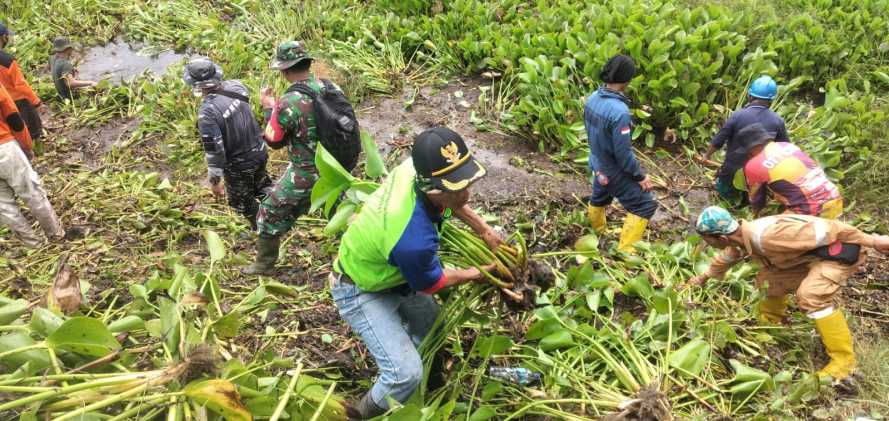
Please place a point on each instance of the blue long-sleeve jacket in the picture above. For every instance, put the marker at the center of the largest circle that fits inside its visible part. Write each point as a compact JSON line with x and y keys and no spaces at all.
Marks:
{"x":609,"y":130}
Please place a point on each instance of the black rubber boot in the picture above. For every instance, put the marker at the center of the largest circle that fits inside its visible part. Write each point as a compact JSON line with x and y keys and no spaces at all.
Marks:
{"x":368,"y":409}
{"x":438,"y":377}
{"x":266,"y":256}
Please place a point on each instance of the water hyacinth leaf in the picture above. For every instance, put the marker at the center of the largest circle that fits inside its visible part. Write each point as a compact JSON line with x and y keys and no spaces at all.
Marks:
{"x":228,"y":326}
{"x":807,"y":389}
{"x":214,"y":245}
{"x":330,"y":168}
{"x":182,"y":281}
{"x":488,"y":346}
{"x":548,"y":312}
{"x":311,"y":391}
{"x":638,"y":286}
{"x":483,"y":413}
{"x":593,"y":299}
{"x":169,"y":312}
{"x":12,"y":311}
{"x":126,"y":324}
{"x":280,"y":289}
{"x":691,"y":358}
{"x":557,"y":340}
{"x":542,"y":328}
{"x":665,"y":300}
{"x":325,"y":192}
{"x":587,"y":244}
{"x":221,"y":397}
{"x":374,"y":166}
{"x":261,"y":406}
{"x":153,"y":327}
{"x":45,"y":322}
{"x":748,"y":379}
{"x":409,"y":412}
{"x":256,"y":296}
{"x":37,"y":359}
{"x":491,"y":389}
{"x":339,"y":220}
{"x":84,"y":336}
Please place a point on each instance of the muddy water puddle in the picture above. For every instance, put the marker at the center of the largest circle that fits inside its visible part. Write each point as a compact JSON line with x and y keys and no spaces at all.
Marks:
{"x":121,"y":61}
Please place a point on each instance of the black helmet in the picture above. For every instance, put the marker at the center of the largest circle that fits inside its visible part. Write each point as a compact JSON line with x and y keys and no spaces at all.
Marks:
{"x":202,"y":73}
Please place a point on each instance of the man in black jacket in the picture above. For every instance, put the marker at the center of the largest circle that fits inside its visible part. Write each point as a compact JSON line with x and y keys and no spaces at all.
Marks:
{"x":231,"y":137}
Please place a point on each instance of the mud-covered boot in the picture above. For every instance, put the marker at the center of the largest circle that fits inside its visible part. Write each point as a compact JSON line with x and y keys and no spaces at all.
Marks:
{"x":266,"y":256}
{"x":368,"y":409}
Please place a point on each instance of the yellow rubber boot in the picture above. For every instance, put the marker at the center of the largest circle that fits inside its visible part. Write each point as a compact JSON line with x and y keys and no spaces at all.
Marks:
{"x":634,"y":227}
{"x":772,"y":310}
{"x":836,"y":338}
{"x":597,"y":217}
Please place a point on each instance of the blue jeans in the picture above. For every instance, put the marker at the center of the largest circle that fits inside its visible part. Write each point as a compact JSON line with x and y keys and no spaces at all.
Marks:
{"x":392,"y":325}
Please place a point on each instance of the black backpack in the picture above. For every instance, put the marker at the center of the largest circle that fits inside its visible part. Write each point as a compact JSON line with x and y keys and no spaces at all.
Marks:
{"x":335,"y":121}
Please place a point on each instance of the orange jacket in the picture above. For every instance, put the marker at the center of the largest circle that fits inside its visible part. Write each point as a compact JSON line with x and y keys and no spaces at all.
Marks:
{"x":11,"y":78}
{"x":12,"y":127}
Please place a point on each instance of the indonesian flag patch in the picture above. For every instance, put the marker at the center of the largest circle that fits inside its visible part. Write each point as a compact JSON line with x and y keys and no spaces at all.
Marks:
{"x":625,"y":130}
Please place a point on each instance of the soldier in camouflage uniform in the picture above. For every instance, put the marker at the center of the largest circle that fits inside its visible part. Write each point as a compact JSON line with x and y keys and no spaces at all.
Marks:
{"x":290,"y":122}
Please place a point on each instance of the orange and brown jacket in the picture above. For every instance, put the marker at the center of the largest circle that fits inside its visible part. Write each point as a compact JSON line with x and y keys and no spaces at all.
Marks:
{"x":12,"y":127}
{"x":785,"y":241}
{"x":12,"y":79}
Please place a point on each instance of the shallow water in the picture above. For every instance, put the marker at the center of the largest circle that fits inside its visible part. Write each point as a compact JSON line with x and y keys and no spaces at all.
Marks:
{"x":120,"y":61}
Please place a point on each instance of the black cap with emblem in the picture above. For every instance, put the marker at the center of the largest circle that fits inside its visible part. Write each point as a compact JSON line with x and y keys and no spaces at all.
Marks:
{"x":440,"y":155}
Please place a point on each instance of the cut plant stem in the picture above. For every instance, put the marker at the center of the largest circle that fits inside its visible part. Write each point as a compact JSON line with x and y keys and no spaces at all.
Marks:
{"x":283,"y":402}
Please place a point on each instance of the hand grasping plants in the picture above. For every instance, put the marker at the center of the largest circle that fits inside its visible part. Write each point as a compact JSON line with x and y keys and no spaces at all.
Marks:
{"x":267,"y":97}
{"x":218,"y":189}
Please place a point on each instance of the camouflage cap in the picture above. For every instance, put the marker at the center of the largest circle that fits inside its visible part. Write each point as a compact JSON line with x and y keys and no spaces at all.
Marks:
{"x":289,"y":53}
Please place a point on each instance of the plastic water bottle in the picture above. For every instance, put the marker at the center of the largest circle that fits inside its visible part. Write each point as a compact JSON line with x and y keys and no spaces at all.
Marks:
{"x":517,"y":375}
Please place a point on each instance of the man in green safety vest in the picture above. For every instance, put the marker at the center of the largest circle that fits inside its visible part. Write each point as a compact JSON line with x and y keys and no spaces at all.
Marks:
{"x":388,"y":265}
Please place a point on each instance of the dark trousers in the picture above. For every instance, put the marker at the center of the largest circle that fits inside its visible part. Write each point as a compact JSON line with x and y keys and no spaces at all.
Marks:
{"x":246,"y":188}
{"x":31,"y":117}
{"x":727,"y":191}
{"x":628,"y":192}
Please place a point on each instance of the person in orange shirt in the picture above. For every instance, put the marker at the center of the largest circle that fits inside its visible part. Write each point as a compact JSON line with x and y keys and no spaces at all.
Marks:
{"x":18,"y":88}
{"x":18,"y":179}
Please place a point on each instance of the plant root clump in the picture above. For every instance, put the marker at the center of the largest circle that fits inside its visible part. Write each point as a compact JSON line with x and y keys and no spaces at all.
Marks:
{"x":530,"y":280}
{"x":202,"y":361}
{"x":650,"y":404}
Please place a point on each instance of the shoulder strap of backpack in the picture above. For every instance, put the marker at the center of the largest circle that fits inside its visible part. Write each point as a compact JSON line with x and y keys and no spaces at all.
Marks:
{"x":302,"y":88}
{"x":233,"y":95}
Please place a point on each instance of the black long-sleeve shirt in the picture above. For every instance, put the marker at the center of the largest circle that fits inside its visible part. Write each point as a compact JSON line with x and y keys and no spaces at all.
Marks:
{"x":230,"y":135}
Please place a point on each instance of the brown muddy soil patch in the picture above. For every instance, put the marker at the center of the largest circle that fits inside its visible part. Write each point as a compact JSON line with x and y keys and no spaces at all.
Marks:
{"x":93,"y":143}
{"x":866,"y":295}
{"x":514,"y":168}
